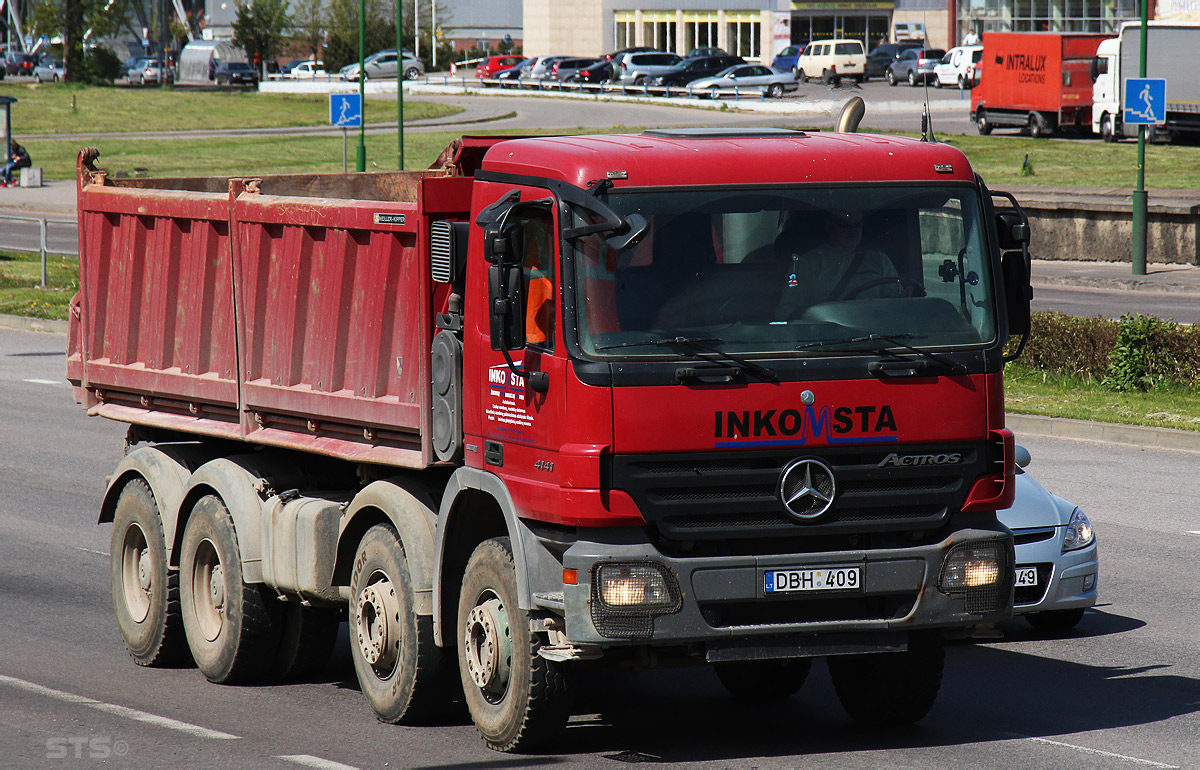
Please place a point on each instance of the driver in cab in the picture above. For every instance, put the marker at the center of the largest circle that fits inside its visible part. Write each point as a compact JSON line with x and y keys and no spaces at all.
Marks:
{"x":837,"y":269}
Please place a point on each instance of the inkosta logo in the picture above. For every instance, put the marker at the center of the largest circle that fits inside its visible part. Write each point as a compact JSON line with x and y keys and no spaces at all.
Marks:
{"x":895,"y":459}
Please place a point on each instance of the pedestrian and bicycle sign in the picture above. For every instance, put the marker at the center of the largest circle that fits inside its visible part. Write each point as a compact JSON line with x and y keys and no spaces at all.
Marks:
{"x":345,"y":110}
{"x":1145,"y":101}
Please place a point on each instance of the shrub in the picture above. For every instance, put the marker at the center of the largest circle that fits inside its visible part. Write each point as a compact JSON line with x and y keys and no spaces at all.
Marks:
{"x":1150,"y":351}
{"x":1068,"y":345}
{"x":100,"y":66}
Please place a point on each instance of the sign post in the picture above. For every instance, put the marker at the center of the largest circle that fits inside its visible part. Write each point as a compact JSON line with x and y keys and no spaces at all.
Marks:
{"x":345,"y":111}
{"x":1145,"y":104}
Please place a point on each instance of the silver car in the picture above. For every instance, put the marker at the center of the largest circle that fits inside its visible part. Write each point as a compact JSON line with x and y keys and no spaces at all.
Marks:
{"x":774,"y":82}
{"x":383,"y":65}
{"x":1057,"y":567}
{"x":636,"y":67}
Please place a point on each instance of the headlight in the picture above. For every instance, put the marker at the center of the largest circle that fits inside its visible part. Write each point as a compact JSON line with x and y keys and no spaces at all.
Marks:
{"x":982,"y":571}
{"x":1079,"y":532}
{"x":634,"y":586}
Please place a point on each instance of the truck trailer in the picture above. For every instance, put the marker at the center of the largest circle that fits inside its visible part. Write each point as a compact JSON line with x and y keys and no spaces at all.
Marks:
{"x":558,"y":402}
{"x":1037,"y":81}
{"x":1170,"y":55}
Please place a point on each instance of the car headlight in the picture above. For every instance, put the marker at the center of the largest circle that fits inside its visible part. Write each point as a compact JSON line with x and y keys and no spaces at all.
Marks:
{"x":1079,"y":532}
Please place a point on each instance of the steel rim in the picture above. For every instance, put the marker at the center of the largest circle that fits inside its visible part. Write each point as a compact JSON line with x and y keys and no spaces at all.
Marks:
{"x":208,"y":590}
{"x":487,"y":647}
{"x":136,"y":576}
{"x":377,"y":627}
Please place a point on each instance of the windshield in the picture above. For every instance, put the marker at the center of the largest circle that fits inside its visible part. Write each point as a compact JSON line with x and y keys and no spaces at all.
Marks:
{"x":803,"y":271}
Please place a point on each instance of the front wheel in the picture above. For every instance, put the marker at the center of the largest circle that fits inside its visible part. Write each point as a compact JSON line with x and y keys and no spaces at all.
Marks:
{"x":1107,"y":131}
{"x":232,"y":627}
{"x":1038,"y":127}
{"x":982,"y":123}
{"x":714,"y":93}
{"x":1055,"y":620}
{"x":775,"y":90}
{"x":912,"y":78}
{"x":764,"y":679}
{"x":890,"y":77}
{"x":145,"y":593}
{"x":412,"y":73}
{"x":962,"y":83}
{"x":894,"y":688}
{"x":517,"y":698}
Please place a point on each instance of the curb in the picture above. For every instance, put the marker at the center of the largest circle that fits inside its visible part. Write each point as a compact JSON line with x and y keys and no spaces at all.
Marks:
{"x":24,"y":323}
{"x":1113,"y":433}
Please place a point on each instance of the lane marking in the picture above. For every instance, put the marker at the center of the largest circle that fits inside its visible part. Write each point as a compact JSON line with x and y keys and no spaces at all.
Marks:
{"x":1098,"y":752}
{"x":310,"y":761}
{"x":43,"y":382}
{"x":91,"y":550}
{"x":122,"y":711}
{"x":1193,"y":532}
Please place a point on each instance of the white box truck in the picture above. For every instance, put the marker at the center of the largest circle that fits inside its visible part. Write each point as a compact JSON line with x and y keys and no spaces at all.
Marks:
{"x":1171,"y":55}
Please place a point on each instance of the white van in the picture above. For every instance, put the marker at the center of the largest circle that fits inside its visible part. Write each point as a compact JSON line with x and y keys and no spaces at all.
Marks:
{"x":832,"y":60}
{"x":959,"y":67}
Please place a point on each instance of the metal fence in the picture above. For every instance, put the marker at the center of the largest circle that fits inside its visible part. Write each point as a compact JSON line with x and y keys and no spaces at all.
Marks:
{"x":18,"y":234}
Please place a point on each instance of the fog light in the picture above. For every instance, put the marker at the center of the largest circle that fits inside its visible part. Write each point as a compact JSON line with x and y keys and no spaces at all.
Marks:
{"x":630,"y":586}
{"x":981,"y":570}
{"x":1089,"y":582}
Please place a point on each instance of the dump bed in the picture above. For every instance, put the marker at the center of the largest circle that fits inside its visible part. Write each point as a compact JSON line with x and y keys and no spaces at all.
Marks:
{"x":293,"y":311}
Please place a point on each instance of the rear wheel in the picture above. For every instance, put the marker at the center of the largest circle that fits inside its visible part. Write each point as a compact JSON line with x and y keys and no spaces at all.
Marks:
{"x":775,"y":90}
{"x":764,"y":679}
{"x":895,"y":688}
{"x":232,"y":627}
{"x":962,"y":83}
{"x":1055,"y":620}
{"x":412,"y":73}
{"x":517,"y":699}
{"x":145,"y":593}
{"x":801,"y":76}
{"x":714,"y":93}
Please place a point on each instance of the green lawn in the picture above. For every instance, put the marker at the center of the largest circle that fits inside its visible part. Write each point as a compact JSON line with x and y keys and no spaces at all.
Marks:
{"x":20,"y":293}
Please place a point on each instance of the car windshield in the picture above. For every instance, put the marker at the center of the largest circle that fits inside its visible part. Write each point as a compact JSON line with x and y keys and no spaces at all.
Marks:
{"x":240,"y":66}
{"x":801,"y":271}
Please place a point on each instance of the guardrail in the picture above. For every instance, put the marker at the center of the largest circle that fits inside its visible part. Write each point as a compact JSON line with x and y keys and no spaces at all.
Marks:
{"x":43,"y":224}
{"x":624,"y":89}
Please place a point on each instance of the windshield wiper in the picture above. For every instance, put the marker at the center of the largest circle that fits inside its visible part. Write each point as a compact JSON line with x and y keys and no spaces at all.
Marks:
{"x":896,"y":340}
{"x":702,"y":345}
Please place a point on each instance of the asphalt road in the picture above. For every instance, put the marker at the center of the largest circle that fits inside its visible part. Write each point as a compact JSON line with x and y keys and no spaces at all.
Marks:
{"x":1123,"y":691}
{"x":1184,"y":307}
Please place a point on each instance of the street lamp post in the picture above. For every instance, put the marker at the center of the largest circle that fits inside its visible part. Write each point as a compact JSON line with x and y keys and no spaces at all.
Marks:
{"x":360,"y":162}
{"x":400,"y":81}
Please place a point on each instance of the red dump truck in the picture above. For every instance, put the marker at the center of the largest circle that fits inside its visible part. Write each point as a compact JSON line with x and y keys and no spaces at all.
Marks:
{"x":1038,"y":81}
{"x":555,"y":402}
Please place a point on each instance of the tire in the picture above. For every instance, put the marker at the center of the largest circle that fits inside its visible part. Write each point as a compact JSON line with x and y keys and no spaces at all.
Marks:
{"x":396,"y":661}
{"x":962,"y":83}
{"x":520,"y":700}
{"x":145,"y":592}
{"x":143,"y":80}
{"x":1055,"y":620}
{"x":232,"y":627}
{"x":55,"y":79}
{"x":800,"y":76}
{"x":412,"y":73}
{"x":1038,"y":128}
{"x":775,"y":90}
{"x":714,"y":93}
{"x":937,"y":82}
{"x":306,"y":640}
{"x":37,"y":78}
{"x":764,"y":679}
{"x":889,"y":689}
{"x":830,"y":78}
{"x":890,"y":77}
{"x":982,"y":123}
{"x":1108,"y":133}
{"x":912,"y":78}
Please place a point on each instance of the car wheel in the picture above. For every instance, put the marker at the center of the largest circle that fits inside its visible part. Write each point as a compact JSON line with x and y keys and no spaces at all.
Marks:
{"x":1107,"y":131}
{"x":890,"y":77}
{"x":412,"y":73}
{"x":937,"y":82}
{"x":55,"y":78}
{"x":800,"y":76}
{"x":763,"y":679}
{"x":912,"y":78}
{"x":1038,"y":127}
{"x":982,"y":123}
{"x":714,"y":93}
{"x":962,"y":83}
{"x":1055,"y":620}
{"x":775,"y":90}
{"x":143,"y":80}
{"x":890,"y":689}
{"x":37,"y":77}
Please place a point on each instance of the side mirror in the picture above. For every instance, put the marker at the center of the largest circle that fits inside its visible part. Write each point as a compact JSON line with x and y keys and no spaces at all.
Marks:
{"x":636,"y":229}
{"x":506,"y":303}
{"x":503,"y":243}
{"x":1012,"y":230}
{"x":1017,"y":292}
{"x":1021,"y":456}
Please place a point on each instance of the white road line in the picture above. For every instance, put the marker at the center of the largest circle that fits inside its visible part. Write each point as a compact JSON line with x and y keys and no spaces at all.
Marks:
{"x":1193,"y":532}
{"x":1098,"y":752}
{"x":122,"y":711}
{"x":310,"y":761}
{"x":92,"y":550}
{"x":43,"y":382}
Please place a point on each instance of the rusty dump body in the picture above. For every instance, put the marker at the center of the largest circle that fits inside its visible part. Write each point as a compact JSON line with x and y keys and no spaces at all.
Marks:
{"x":243,"y":308}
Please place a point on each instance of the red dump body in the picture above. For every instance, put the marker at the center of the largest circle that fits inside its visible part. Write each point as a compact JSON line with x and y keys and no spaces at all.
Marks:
{"x":310,"y":286}
{"x":1048,"y":73}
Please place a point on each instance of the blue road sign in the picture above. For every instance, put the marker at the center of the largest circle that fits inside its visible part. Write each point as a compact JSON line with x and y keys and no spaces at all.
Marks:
{"x":345,"y":110}
{"x":1145,"y":101}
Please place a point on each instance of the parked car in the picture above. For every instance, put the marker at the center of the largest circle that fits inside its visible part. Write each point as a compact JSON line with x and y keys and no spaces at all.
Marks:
{"x":563,"y":69}
{"x":512,"y":77}
{"x":145,"y":71}
{"x":600,"y":72}
{"x":915,"y":66}
{"x":772,"y":81}
{"x":690,"y":70}
{"x":383,"y":65}
{"x":307,"y":70}
{"x":488,"y":66}
{"x":959,"y":67}
{"x":697,"y":53}
{"x":49,"y":72}
{"x":786,"y":59}
{"x":832,"y":60}
{"x":1057,"y":564}
{"x":288,"y":66}
{"x":882,"y":56}
{"x":19,"y":64}
{"x":542,"y":64}
{"x":240,"y":73}
{"x":617,"y":54}
{"x":636,"y":67}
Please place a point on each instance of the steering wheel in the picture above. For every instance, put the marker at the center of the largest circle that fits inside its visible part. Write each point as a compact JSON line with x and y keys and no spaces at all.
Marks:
{"x":910,"y":288}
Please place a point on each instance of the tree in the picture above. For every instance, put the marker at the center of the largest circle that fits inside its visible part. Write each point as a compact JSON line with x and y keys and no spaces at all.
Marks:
{"x":258,"y":28}
{"x":70,"y":18}
{"x":343,"y":31}
{"x":309,"y":23}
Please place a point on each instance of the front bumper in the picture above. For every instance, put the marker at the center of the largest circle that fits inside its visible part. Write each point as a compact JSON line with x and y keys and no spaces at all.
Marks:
{"x":722,"y":599}
{"x":1066,"y":581}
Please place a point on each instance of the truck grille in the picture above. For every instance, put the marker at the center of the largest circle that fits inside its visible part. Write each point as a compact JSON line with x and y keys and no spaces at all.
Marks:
{"x":719,"y":496}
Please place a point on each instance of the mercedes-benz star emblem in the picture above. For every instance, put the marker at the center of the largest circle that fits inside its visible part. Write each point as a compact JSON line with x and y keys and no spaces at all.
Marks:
{"x":807,"y":488}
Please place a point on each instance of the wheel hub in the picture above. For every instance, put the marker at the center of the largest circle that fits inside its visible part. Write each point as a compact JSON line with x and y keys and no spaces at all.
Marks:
{"x":487,"y":641}
{"x":377,"y":625}
{"x":216,"y":588}
{"x":144,"y":571}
